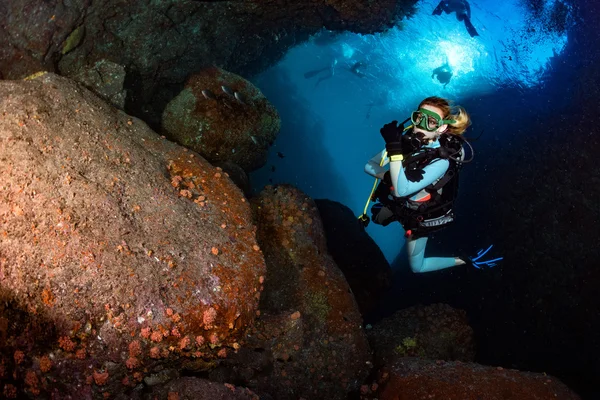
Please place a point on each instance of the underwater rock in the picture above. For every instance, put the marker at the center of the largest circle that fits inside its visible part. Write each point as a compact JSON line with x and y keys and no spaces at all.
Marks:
{"x":308,"y":340}
{"x":198,"y":389}
{"x":237,"y":175}
{"x":436,"y":332}
{"x":106,"y":79}
{"x":224,"y":130}
{"x":160,"y":43}
{"x":367,"y":271}
{"x":34,"y":34}
{"x":122,"y":253}
{"x":414,"y":378}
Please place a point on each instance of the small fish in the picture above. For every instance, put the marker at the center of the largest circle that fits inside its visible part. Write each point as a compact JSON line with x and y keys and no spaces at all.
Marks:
{"x":272,"y":168}
{"x":280,"y":154}
{"x":254,"y":140}
{"x":240,"y":97}
{"x":208,"y":95}
{"x":227,"y":90}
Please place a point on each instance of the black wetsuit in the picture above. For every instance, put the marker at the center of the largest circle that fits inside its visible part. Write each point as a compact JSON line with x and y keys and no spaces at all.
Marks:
{"x":443,"y":74}
{"x":462,"y":10}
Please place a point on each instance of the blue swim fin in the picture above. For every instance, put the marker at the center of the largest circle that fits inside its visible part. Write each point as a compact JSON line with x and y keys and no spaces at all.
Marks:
{"x":478,"y":263}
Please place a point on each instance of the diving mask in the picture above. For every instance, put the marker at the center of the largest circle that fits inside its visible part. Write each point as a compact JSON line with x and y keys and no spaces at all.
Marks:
{"x":428,"y":120}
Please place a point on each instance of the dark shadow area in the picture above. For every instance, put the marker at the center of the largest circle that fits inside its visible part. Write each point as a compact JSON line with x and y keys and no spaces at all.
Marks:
{"x":532,"y":192}
{"x":298,"y":155}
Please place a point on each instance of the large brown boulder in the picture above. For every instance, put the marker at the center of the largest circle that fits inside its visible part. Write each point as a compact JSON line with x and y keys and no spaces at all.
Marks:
{"x":413,"y":378}
{"x":308,"y":341}
{"x":223,"y":117}
{"x":192,"y":388}
{"x":437,"y":332}
{"x":367,"y":271}
{"x":121,"y":253}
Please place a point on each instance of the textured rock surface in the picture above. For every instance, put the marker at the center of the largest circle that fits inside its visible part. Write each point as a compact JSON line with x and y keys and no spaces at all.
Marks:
{"x":160,"y":43}
{"x":189,"y":388}
{"x":106,"y":79}
{"x":120,"y":252}
{"x":224,"y":118}
{"x":437,"y":332}
{"x":308,"y":341}
{"x":367,"y":271}
{"x":412,"y":378}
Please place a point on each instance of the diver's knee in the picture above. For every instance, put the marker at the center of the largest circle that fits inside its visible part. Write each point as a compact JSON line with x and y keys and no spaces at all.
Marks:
{"x":416,"y":266}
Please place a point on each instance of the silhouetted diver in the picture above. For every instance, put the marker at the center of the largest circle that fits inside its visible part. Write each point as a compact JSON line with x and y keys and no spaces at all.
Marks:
{"x":357,"y":68}
{"x":462,"y":10}
{"x":330,"y":69}
{"x":443,"y":74}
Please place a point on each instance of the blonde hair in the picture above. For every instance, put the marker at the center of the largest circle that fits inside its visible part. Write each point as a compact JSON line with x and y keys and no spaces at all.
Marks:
{"x":457,"y":113}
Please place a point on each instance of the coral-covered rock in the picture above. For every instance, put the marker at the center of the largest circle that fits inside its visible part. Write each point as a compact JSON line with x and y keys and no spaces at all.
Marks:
{"x":120,"y":252}
{"x":223,"y":117}
{"x":413,"y":378}
{"x":437,"y":332}
{"x":237,"y":175}
{"x":160,"y":43}
{"x":308,"y":340}
{"x":106,"y":79}
{"x":367,"y":271}
{"x":190,"y":388}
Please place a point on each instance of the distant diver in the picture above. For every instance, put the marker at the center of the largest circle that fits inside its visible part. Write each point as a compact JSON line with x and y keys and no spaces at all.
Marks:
{"x":329,"y":72}
{"x":443,"y":74}
{"x":462,"y":10}
{"x":357,"y":69}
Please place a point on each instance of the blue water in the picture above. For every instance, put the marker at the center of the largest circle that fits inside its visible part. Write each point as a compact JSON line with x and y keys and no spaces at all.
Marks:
{"x":330,"y":130}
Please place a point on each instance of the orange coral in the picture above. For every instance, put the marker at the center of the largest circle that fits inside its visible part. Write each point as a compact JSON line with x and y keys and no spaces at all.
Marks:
{"x":184,"y":343}
{"x":132,"y":363}
{"x":156,"y":337}
{"x":19,"y":356}
{"x":45,"y":364}
{"x":80,"y":354}
{"x":214,"y":339}
{"x":48,"y":297}
{"x":100,"y":377}
{"x":145,"y":333}
{"x":155,"y":353}
{"x":135,"y":349}
{"x":66,"y":343}
{"x":209,"y":316}
{"x":10,"y":391}
{"x":32,"y":381}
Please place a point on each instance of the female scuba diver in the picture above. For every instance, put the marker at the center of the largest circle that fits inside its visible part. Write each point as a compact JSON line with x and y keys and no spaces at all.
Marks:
{"x":421,"y":184}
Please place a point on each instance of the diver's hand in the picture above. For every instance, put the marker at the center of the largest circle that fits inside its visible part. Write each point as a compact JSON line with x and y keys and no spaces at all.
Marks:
{"x":391,"y":132}
{"x":414,"y":175}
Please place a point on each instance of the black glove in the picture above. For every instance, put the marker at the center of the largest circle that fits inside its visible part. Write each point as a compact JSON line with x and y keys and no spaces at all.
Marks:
{"x":414,"y":175}
{"x":392,"y":134}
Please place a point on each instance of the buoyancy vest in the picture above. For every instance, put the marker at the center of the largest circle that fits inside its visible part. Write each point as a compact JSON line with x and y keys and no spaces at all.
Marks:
{"x":432,"y":212}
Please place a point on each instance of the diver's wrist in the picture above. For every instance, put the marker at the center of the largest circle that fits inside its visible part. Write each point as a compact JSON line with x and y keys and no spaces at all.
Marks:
{"x":393,"y":149}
